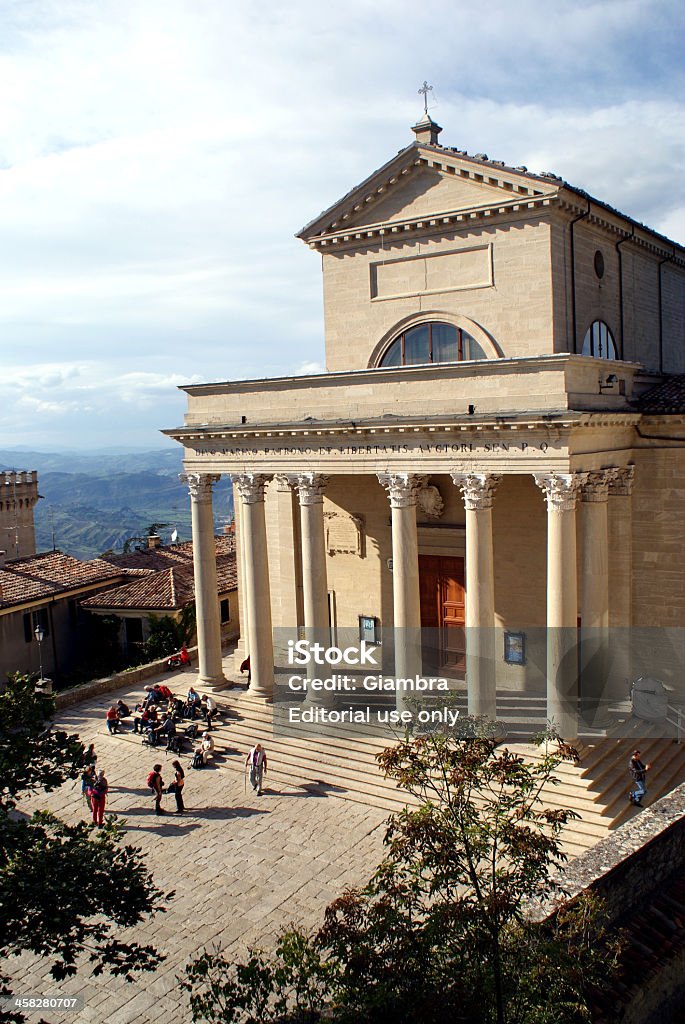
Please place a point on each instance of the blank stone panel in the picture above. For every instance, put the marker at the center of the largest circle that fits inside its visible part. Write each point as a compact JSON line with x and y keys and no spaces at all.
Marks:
{"x":442,"y":272}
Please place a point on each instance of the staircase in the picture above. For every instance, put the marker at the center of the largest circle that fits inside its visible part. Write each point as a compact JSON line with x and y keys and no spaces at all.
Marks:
{"x":342,"y":764}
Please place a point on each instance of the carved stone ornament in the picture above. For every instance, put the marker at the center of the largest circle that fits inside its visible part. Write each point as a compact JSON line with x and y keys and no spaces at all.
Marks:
{"x":310,"y":487}
{"x":200,"y":484}
{"x":429,"y":501}
{"x":478,"y":489}
{"x":621,"y":481}
{"x":560,"y":489}
{"x":250,"y":486}
{"x":402,"y":488}
{"x":596,"y":487}
{"x":345,"y":533}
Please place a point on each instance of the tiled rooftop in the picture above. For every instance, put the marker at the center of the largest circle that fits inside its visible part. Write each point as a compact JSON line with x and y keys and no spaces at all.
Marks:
{"x":166,"y":556}
{"x":42,"y":576}
{"x":168,"y":589}
{"x":669,"y":396}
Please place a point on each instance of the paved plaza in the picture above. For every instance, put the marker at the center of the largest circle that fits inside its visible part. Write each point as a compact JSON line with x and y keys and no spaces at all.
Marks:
{"x":242,"y":867}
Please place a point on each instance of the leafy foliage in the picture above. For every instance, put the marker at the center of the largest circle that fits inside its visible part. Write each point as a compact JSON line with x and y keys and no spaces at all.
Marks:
{"x":165,"y":634}
{"x":64,"y":892}
{"x":442,"y":932}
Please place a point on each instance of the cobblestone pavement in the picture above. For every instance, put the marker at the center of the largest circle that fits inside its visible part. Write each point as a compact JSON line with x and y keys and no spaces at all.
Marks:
{"x":242,"y":867}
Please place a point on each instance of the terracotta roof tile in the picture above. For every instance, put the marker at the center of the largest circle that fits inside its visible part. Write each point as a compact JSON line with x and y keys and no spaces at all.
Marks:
{"x":42,"y":576}
{"x":669,"y":396}
{"x":166,"y":590}
{"x":165,"y":556}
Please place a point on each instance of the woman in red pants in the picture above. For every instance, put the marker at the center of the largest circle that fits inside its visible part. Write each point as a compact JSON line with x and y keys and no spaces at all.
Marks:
{"x":98,"y":798}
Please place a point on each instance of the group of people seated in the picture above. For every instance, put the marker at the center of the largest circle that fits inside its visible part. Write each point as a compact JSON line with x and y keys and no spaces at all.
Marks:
{"x":115,"y":716}
{"x":156,"y":717}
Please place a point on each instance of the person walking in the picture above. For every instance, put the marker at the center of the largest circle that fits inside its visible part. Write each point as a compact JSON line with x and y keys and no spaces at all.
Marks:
{"x":245,"y":667}
{"x":98,"y":798}
{"x":88,"y":778}
{"x":177,"y":785}
{"x":638,"y":771}
{"x":256,"y":759}
{"x":156,"y":784}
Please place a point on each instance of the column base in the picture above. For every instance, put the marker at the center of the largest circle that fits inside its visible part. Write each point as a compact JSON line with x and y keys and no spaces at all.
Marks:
{"x":213,"y":683}
{"x":257,"y":693}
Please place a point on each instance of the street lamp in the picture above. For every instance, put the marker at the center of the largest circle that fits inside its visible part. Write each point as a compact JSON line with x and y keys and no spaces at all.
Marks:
{"x":39,"y":634}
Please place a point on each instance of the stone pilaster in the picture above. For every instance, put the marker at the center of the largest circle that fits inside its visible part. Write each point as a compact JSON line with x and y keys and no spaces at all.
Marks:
{"x":251,"y":489}
{"x":594,"y":596}
{"x":620,"y":528}
{"x":478,"y":490}
{"x":208,"y":620}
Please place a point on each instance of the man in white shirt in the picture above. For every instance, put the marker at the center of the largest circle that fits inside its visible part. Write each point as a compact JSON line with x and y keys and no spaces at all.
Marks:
{"x":206,"y":748}
{"x":209,"y":708}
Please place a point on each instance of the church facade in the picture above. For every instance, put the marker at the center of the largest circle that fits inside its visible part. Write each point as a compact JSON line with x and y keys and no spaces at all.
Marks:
{"x":488,"y":483}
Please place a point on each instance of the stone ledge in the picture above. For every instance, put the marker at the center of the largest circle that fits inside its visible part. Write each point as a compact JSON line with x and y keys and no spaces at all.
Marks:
{"x":632,"y":862}
{"x":76,"y":694}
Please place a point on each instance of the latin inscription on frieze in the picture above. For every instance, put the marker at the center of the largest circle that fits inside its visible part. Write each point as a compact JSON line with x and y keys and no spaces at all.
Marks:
{"x":351,"y":450}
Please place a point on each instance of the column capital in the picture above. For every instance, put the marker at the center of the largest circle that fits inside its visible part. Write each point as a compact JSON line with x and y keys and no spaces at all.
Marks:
{"x":402,"y":487}
{"x":478,"y":489}
{"x":250,"y":486}
{"x":560,"y":489}
{"x":596,"y":487}
{"x":621,"y":481}
{"x":310,"y":487}
{"x":200,"y":484}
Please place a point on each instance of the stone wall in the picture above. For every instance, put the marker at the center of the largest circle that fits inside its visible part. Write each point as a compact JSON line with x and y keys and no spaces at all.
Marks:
{"x":630,"y":869}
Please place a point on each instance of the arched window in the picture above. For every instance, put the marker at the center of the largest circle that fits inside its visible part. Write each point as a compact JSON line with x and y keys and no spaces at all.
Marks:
{"x":433,"y":342}
{"x":599,"y":341}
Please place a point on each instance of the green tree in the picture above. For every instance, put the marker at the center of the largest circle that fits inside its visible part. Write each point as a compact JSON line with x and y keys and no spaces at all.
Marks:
{"x":166,"y":634}
{"x":442,"y":932}
{"x":64,"y":891}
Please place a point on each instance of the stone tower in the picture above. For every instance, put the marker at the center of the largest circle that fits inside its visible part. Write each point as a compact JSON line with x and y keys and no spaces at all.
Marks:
{"x":18,"y":495}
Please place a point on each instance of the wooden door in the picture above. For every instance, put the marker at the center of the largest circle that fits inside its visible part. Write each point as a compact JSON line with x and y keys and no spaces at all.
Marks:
{"x":441,"y":584}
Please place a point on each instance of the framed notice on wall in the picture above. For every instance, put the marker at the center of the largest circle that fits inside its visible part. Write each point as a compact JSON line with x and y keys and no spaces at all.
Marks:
{"x":369,"y":629}
{"x":515,"y":648}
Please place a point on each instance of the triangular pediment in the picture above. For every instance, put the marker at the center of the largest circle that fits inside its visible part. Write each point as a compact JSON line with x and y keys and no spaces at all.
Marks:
{"x":424,"y":193}
{"x":424,"y":182}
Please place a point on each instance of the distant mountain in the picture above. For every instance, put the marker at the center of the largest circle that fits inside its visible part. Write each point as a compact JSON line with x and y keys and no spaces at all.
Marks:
{"x":95,"y":502}
{"x":109,"y":460}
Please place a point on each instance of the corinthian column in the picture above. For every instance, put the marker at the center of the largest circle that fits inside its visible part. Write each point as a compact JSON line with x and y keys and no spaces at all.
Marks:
{"x":561,"y":491}
{"x":310,"y":488}
{"x":478,"y":490}
{"x":402,"y":489}
{"x":206,"y":589}
{"x":250,"y":487}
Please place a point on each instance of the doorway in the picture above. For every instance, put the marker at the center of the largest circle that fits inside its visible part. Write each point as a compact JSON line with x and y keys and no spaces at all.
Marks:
{"x":441,"y":586}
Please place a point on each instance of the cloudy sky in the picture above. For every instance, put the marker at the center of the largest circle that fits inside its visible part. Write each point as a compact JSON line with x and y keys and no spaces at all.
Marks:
{"x":157,"y":157}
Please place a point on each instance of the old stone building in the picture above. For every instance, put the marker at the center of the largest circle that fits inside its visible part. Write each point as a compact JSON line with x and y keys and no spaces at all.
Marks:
{"x":489,"y":479}
{"x":18,"y":497}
